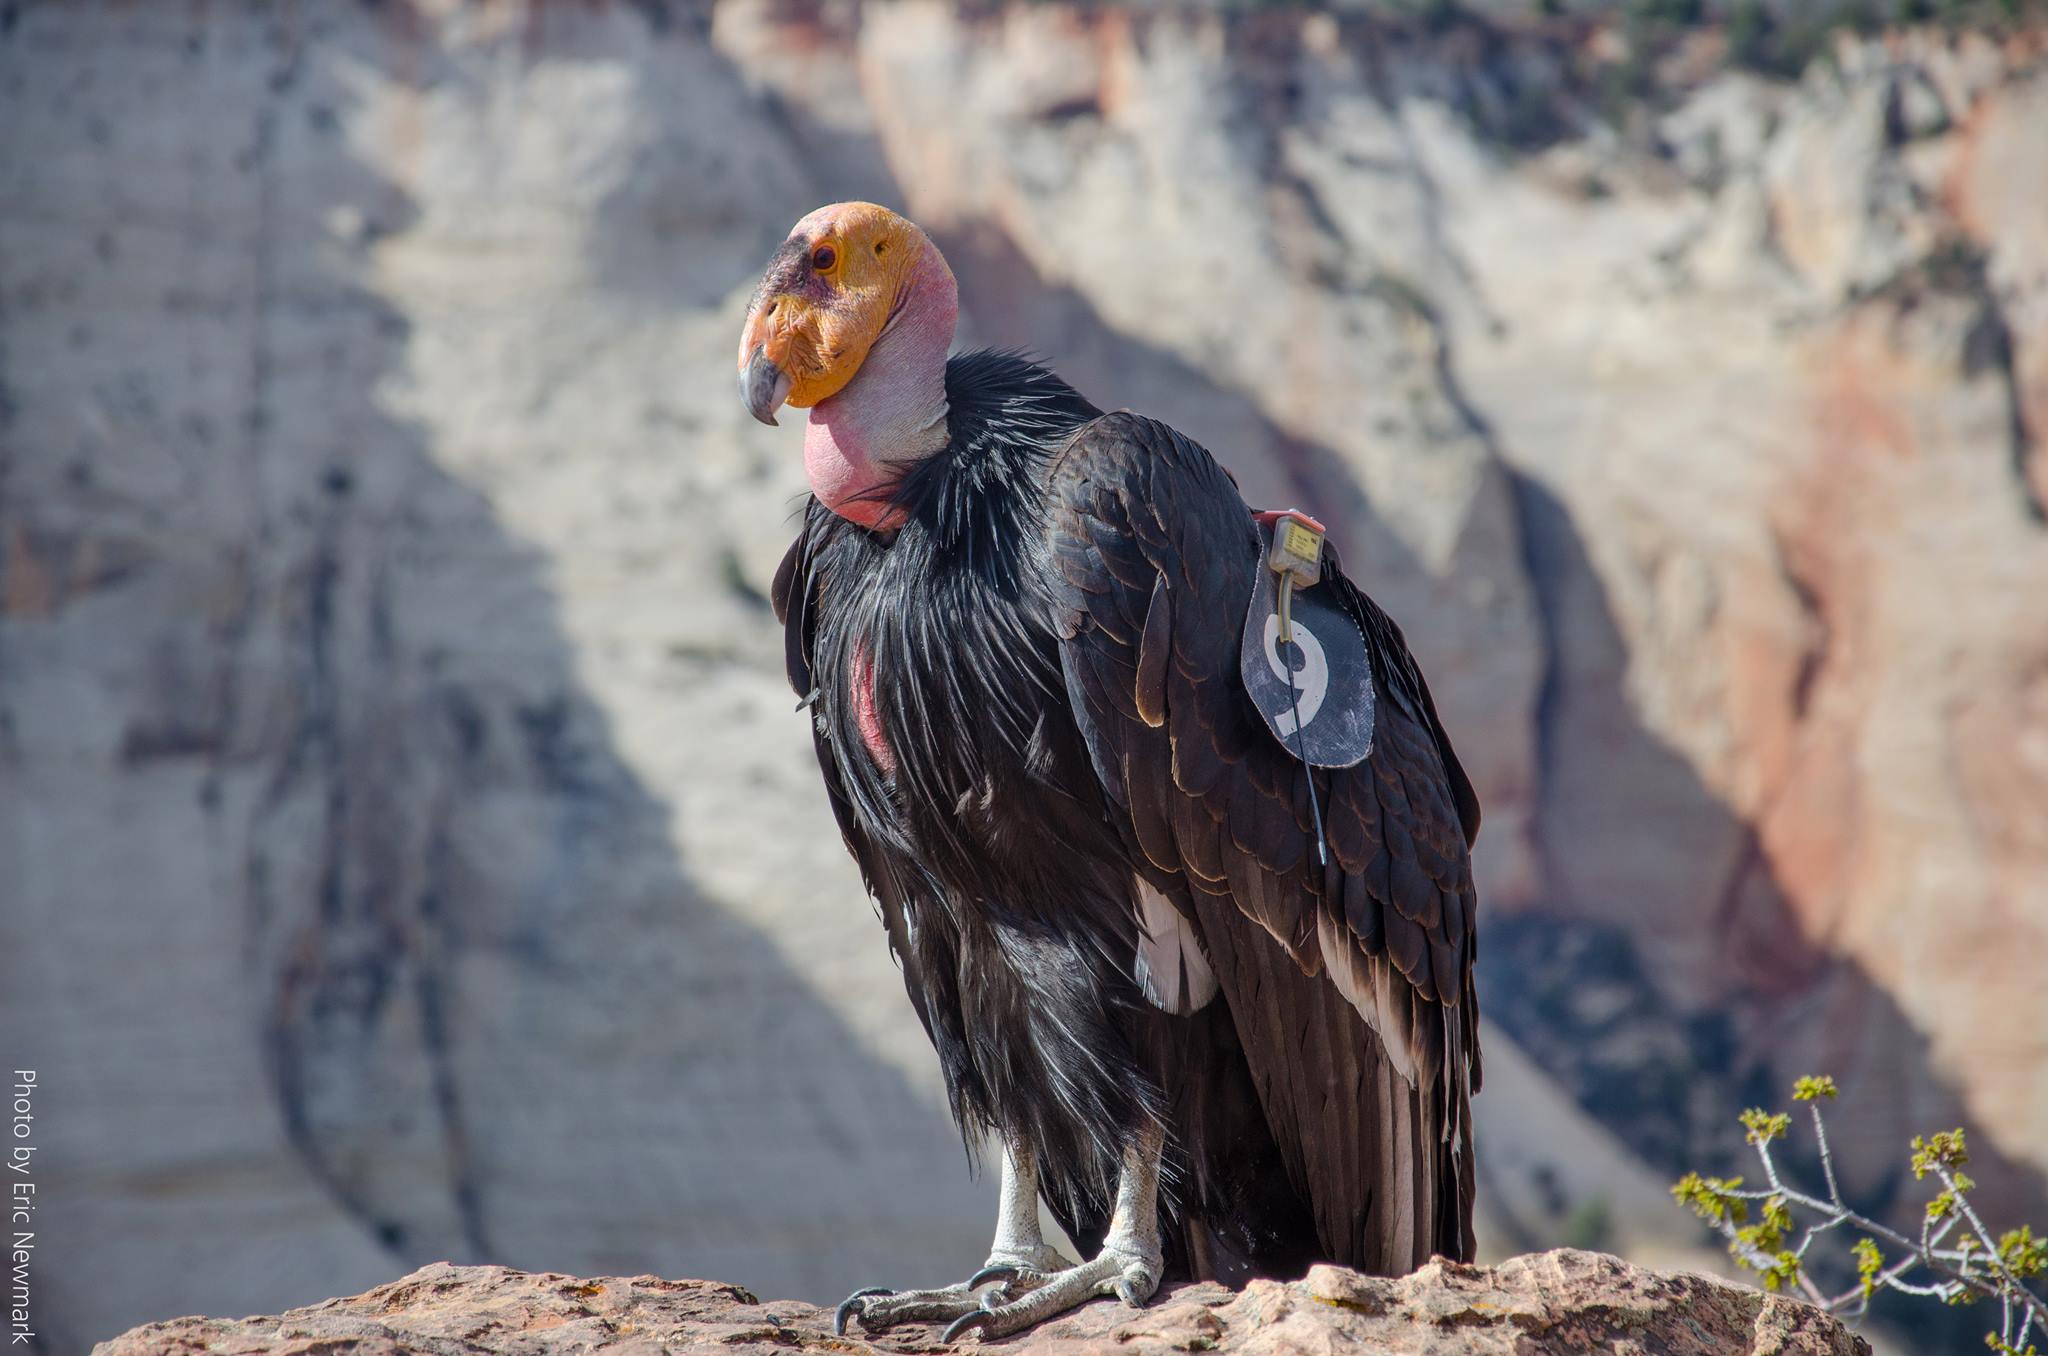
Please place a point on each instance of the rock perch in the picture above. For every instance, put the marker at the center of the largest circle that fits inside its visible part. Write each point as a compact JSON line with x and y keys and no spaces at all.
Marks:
{"x":1561,"y":1301}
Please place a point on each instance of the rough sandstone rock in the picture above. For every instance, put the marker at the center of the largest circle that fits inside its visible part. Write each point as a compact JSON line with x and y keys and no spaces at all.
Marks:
{"x":1557,"y":1302}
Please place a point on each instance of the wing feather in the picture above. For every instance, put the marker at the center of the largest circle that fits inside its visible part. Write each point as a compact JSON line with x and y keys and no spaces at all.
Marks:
{"x":1155,"y":655}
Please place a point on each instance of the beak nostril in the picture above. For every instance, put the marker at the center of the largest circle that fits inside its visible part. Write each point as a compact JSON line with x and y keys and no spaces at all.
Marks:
{"x":771,"y":308}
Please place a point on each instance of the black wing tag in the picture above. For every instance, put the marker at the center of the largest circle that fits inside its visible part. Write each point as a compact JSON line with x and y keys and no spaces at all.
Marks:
{"x":1324,"y":716}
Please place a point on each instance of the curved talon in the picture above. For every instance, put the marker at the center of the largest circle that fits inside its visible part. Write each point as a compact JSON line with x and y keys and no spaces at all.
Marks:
{"x":852,"y":1307}
{"x":1128,"y":1292}
{"x":1005,"y":1274}
{"x":979,"y":1319}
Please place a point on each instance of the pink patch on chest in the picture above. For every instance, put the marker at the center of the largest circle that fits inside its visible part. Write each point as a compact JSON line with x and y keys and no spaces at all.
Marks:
{"x":866,"y":713}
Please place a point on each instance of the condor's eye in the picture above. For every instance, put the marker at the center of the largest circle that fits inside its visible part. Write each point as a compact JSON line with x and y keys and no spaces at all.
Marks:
{"x":823,"y":257}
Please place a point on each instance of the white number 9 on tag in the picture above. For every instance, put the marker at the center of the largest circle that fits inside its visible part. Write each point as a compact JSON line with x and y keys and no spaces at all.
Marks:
{"x":1326,"y":721}
{"x":1312,"y":682}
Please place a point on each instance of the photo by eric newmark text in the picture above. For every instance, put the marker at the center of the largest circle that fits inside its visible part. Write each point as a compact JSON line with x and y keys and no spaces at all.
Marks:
{"x":21,"y":1209}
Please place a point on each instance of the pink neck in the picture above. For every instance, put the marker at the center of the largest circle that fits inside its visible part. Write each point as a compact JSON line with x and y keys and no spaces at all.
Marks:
{"x":892,"y":415}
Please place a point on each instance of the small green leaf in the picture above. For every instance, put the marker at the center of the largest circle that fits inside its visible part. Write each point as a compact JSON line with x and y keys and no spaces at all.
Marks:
{"x":1711,"y":1198}
{"x":1945,"y":1150}
{"x":1768,"y":1235}
{"x":1783,"y":1273}
{"x":1812,"y":1087}
{"x":2023,"y":1254}
{"x":1763,"y":1126}
{"x":1869,"y":1262}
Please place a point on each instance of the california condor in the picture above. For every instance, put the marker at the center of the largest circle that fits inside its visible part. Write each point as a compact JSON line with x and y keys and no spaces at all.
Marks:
{"x":1211,"y":993}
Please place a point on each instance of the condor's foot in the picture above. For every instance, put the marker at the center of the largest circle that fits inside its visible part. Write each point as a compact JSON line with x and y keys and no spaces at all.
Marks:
{"x":1004,"y":1276}
{"x":1131,"y":1273}
{"x":1128,"y":1266}
{"x":878,"y":1307}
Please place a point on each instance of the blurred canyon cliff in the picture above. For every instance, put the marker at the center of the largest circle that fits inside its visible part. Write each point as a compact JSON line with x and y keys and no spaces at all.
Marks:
{"x":410,"y":848}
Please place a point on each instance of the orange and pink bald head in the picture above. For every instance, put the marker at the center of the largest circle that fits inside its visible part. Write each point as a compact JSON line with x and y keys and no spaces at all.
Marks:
{"x":852,"y":320}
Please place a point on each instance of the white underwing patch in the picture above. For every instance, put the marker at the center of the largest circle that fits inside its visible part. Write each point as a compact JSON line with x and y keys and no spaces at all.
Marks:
{"x":1367,"y":983}
{"x":1170,"y":967}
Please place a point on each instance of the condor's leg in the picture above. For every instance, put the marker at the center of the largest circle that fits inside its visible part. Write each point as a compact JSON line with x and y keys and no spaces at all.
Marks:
{"x":1018,"y":1259}
{"x":1128,"y":1266}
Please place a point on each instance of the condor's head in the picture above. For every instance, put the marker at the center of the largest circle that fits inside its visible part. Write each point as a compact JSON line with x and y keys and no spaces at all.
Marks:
{"x":838,"y":284}
{"x":852,"y":321}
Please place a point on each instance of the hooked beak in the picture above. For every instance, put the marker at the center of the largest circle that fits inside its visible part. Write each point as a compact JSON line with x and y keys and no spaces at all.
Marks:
{"x":763,"y":386}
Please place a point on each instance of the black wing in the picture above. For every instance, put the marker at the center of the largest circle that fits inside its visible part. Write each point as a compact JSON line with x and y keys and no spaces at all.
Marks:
{"x":1155,"y":557}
